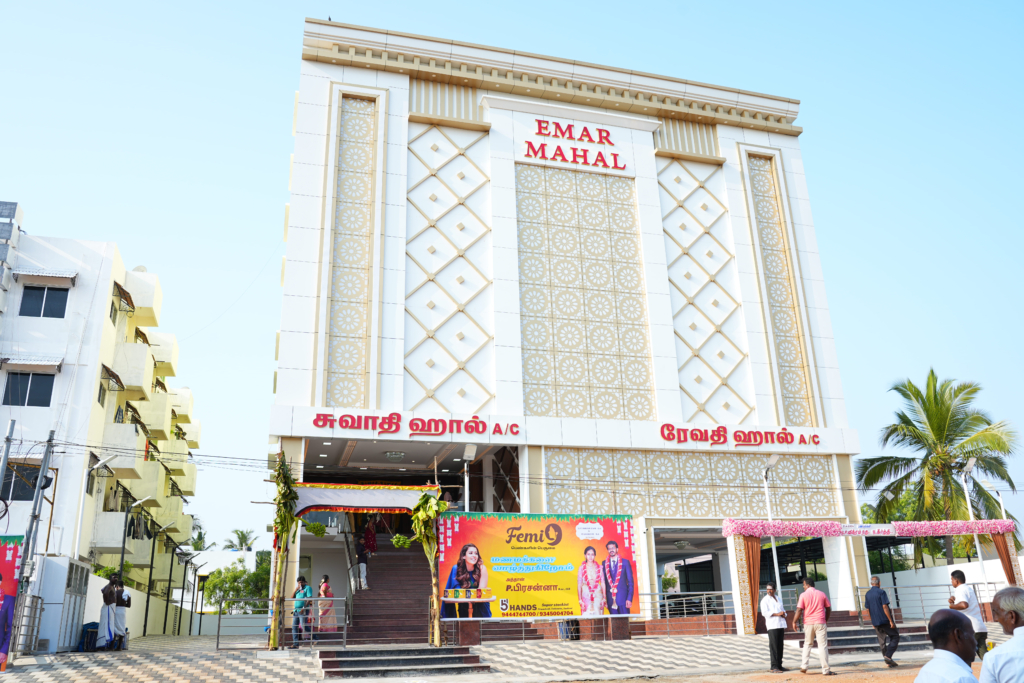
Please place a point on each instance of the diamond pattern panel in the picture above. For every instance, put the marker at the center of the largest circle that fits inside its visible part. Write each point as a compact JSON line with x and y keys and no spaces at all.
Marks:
{"x":449,"y":335}
{"x":790,"y":356}
{"x":348,"y":331}
{"x":687,"y":485}
{"x":710,"y":337}
{"x":586,"y":348}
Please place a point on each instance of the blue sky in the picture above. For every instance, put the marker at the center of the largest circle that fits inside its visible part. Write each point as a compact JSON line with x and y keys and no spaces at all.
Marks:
{"x":167,"y":128}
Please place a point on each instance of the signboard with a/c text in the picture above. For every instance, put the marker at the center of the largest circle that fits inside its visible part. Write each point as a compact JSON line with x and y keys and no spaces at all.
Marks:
{"x":511,"y":566}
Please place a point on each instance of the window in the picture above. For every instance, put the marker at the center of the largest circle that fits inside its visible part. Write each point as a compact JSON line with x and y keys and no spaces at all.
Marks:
{"x":48,"y":302}
{"x":113,"y":313}
{"x":102,"y":398}
{"x":22,"y":479}
{"x":31,"y":389}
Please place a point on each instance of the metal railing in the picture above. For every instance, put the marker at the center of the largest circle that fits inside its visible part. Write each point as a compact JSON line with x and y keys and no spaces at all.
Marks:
{"x":789,"y":597}
{"x":28,"y":614}
{"x":688,"y":613}
{"x":919,"y":602}
{"x":244,"y":624}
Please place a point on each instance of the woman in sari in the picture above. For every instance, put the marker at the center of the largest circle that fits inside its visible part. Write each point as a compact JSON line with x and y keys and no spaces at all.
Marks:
{"x":468,"y":572}
{"x":328,"y":622}
{"x":589,"y":586}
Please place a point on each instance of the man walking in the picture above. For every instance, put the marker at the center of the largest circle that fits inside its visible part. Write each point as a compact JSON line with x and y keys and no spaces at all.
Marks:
{"x":817,"y":608}
{"x":964,"y":600}
{"x":775,"y":621}
{"x":953,"y":638}
{"x":301,"y":613}
{"x":1005,"y":664}
{"x":881,"y":618}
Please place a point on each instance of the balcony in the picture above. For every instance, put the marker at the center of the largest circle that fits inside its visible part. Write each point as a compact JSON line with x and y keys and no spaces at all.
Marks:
{"x":147,"y":296}
{"x":165,"y":351}
{"x":182,"y":404}
{"x":169,"y":512}
{"x":187,"y":481}
{"x":174,"y":454}
{"x":182,"y":529}
{"x":133,"y":363}
{"x":129,"y":442}
{"x":193,"y":430}
{"x":156,"y":413}
{"x":150,"y":483}
{"x":107,"y":533}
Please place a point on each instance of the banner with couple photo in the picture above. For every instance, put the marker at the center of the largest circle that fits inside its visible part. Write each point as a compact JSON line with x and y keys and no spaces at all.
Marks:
{"x":511,"y":566}
{"x":10,"y":565}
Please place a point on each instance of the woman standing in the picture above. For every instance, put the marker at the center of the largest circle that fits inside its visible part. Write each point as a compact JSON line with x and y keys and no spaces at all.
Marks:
{"x":468,"y":572}
{"x":589,"y":586}
{"x":328,"y":622}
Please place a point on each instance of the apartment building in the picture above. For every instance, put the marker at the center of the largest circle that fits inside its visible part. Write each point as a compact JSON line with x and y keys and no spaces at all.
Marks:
{"x":82,"y":355}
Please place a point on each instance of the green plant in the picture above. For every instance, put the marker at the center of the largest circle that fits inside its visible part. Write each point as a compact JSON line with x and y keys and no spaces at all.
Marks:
{"x":107,"y":572}
{"x":317,"y":529}
{"x":286,"y":525}
{"x":941,"y":425}
{"x":668,"y":583}
{"x":424,"y":527}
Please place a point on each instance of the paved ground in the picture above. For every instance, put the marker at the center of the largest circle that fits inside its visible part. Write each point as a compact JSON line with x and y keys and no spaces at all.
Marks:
{"x":712,"y":658}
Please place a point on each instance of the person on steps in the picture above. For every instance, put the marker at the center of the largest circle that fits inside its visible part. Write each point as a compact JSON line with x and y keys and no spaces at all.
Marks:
{"x":877,"y":602}
{"x":302,"y":610}
{"x":818,"y":609}
{"x":964,"y":600}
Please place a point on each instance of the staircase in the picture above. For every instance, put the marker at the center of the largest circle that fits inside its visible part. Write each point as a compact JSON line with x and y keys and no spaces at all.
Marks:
{"x":846,"y":635}
{"x":399,"y":662}
{"x":395,"y":610}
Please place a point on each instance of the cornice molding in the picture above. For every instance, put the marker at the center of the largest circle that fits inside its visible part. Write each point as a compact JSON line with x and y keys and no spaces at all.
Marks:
{"x":566,"y":111}
{"x":582,"y":84}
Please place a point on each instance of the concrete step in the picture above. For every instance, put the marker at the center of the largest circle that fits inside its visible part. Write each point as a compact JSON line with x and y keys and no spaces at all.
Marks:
{"x":399,"y":662}
{"x":408,"y":671}
{"x":350,"y":653}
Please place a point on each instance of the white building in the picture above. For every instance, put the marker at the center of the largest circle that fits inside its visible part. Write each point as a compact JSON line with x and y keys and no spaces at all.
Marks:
{"x":615,"y":272}
{"x":81,"y":355}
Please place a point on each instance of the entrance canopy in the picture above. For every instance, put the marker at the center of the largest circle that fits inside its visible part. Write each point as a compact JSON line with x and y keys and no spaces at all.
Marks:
{"x":358,"y":497}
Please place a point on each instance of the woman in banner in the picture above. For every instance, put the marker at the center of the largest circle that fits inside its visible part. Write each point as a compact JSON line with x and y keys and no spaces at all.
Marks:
{"x":328,"y":621}
{"x":590,"y":586}
{"x":468,"y":572}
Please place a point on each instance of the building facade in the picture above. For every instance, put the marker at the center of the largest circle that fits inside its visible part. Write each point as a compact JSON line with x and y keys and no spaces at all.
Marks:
{"x":82,"y":355}
{"x":608,"y":281}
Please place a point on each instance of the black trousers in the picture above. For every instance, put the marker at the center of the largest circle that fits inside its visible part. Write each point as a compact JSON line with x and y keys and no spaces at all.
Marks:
{"x":980,"y":639}
{"x":886,"y":632}
{"x":775,"y":636}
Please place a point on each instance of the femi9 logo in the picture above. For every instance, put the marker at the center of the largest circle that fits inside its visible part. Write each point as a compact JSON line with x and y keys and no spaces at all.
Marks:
{"x":552,"y":535}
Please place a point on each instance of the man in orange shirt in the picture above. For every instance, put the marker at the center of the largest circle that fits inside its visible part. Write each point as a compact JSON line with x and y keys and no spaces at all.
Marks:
{"x":817,"y":609}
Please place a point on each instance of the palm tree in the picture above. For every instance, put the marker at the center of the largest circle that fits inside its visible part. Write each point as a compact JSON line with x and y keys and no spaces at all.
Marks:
{"x":198,"y":540}
{"x":243,"y":541}
{"x":945,"y":430}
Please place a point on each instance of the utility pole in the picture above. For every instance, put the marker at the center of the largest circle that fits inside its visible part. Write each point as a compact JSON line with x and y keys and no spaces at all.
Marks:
{"x":33,"y":523}
{"x":7,"y":454}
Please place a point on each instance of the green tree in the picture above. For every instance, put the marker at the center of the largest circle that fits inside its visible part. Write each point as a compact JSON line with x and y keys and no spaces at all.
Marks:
{"x":243,"y":540}
{"x":286,"y":526}
{"x":199,"y":540}
{"x":237,"y":582}
{"x":668,"y":582}
{"x":944,"y":430}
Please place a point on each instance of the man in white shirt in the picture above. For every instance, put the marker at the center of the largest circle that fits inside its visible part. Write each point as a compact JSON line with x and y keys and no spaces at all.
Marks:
{"x":953,"y":637}
{"x":775,"y":621}
{"x":1005,"y":664}
{"x":966,"y":601}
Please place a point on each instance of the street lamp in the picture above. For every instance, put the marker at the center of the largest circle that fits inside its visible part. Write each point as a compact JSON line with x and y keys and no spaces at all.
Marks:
{"x":772,"y":461}
{"x":970,"y":511}
{"x":124,"y":533}
{"x":991,"y":487}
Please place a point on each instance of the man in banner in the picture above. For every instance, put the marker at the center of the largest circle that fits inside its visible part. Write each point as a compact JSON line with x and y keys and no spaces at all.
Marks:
{"x":618,"y":580}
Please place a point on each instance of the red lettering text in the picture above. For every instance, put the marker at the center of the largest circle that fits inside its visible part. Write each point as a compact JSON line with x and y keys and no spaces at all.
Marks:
{"x":563,"y":132}
{"x":604,"y":137}
{"x":542,"y":127}
{"x":537,"y":152}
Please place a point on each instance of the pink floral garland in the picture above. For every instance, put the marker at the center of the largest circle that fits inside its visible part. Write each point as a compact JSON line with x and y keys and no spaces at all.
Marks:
{"x":760,"y":527}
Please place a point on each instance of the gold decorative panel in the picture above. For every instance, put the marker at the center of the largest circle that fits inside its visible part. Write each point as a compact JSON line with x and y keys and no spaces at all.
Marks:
{"x":780,"y":294}
{"x":747,"y":611}
{"x":583,"y":311}
{"x":449,"y":333}
{"x":704,"y":289}
{"x":351,"y":246}
{"x":687,"y":485}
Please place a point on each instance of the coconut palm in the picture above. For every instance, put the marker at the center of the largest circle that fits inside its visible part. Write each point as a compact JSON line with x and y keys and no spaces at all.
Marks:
{"x":243,"y":541}
{"x":941,"y":425}
{"x":199,"y":539}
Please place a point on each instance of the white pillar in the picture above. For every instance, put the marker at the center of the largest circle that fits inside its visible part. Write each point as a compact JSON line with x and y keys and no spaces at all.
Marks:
{"x":840,"y":579}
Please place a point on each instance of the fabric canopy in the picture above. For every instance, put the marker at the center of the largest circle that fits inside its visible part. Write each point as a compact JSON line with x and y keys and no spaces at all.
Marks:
{"x":358,"y":497}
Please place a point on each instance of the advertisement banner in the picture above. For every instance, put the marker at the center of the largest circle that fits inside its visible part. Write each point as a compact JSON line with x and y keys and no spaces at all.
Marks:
{"x":510,"y":566}
{"x":10,"y":563}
